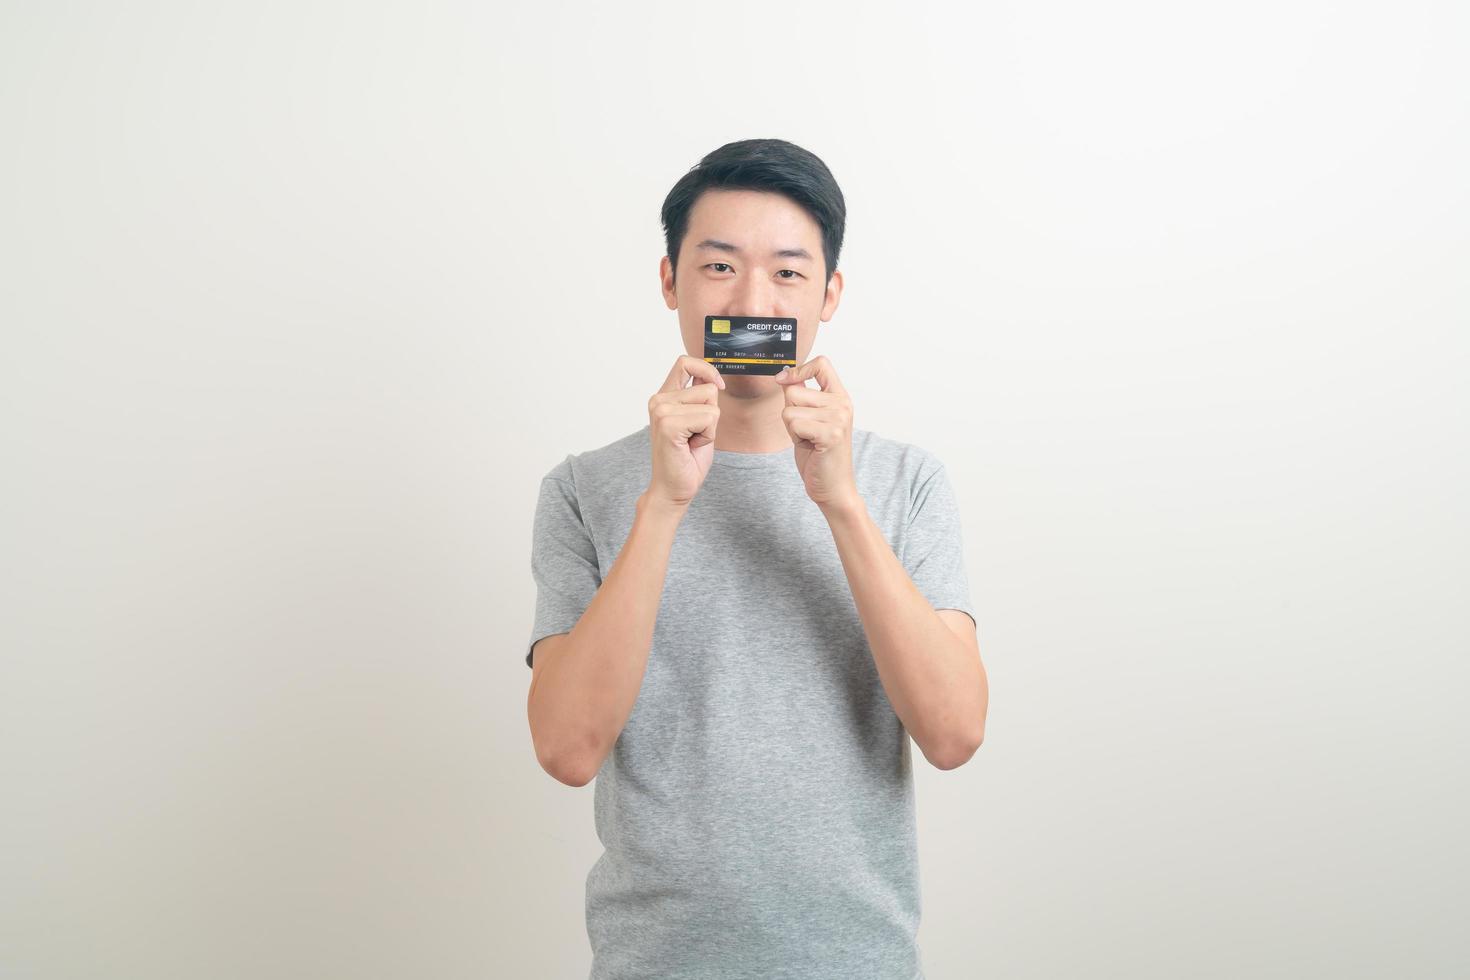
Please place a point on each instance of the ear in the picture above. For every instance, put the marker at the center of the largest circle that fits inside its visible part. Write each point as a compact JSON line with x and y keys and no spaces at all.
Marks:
{"x":666,"y":280}
{"x":834,"y":295}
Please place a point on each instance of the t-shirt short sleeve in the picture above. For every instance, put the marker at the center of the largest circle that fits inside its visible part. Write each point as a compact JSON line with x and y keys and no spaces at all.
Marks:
{"x":563,"y":558}
{"x":934,"y":552}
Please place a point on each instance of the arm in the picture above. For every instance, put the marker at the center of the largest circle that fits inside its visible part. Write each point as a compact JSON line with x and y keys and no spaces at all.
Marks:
{"x":928,"y":660}
{"x":584,"y":683}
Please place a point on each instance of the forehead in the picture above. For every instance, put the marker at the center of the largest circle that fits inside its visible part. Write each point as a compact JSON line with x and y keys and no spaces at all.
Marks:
{"x":754,"y":219}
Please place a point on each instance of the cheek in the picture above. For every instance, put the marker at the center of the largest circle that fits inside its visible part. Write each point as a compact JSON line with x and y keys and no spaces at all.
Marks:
{"x":696,"y":297}
{"x":805,"y":340}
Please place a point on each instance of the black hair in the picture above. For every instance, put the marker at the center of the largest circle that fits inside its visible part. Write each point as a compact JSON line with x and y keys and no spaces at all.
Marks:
{"x":761,"y":165}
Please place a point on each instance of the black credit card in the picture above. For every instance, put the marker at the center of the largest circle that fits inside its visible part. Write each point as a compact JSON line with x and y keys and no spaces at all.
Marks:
{"x":750,"y":344}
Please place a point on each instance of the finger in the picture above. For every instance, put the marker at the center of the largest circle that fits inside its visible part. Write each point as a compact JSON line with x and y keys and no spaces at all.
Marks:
{"x":682,"y":419}
{"x":698,"y":423}
{"x":800,"y":394}
{"x":686,"y":367}
{"x":816,"y":431}
{"x":804,"y":414}
{"x":820,"y":368}
{"x":705,"y":392}
{"x":704,"y":434}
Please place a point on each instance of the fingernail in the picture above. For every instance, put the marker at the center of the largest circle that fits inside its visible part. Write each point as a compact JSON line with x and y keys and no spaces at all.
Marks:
{"x":783,"y":372}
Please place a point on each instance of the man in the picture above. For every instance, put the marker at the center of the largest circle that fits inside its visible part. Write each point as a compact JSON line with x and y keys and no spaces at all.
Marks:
{"x":743,"y":612}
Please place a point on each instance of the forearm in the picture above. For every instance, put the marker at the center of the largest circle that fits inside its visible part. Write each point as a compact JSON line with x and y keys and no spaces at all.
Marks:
{"x":587,"y":690}
{"x":933,"y":680}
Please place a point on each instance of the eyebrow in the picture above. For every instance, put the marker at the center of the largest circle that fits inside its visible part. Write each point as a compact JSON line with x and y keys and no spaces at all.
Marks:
{"x":780,"y":253}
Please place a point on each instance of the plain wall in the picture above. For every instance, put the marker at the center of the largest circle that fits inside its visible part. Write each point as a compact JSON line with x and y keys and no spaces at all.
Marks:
{"x":300,"y":301}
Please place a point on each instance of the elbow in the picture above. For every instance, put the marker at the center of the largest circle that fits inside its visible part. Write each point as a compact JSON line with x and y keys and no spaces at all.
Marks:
{"x":573,"y":776}
{"x":956,"y":753}
{"x":570,"y":757}
{"x":570,"y":768}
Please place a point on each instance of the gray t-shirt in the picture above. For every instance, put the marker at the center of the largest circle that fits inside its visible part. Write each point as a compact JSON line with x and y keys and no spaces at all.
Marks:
{"x":757,"y":810}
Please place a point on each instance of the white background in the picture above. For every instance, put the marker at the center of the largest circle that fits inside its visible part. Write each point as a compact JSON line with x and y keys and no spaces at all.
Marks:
{"x":300,"y":300}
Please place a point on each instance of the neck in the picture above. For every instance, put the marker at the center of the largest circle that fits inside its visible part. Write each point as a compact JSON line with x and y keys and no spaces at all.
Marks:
{"x":750,"y":416}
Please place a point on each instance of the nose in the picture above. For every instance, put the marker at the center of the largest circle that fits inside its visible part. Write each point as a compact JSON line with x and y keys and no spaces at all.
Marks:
{"x":755,"y":295}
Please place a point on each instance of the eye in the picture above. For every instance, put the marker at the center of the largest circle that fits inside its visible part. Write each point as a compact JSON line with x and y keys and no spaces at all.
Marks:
{"x":794,"y":274}
{"x":713,"y":264}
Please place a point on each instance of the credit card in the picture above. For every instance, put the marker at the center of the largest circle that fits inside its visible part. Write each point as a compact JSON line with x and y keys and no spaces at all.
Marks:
{"x":750,"y":344}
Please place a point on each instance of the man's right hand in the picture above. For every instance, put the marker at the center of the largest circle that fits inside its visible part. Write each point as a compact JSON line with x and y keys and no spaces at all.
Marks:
{"x":681,"y":428}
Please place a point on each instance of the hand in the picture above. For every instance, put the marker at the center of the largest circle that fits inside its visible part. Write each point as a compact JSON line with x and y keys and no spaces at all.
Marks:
{"x":820,"y":423}
{"x":681,"y":430}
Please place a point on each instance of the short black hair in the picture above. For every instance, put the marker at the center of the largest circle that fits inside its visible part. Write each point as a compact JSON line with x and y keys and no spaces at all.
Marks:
{"x":761,"y":165}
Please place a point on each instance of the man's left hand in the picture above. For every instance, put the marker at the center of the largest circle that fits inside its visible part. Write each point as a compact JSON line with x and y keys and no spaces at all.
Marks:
{"x":820,"y":423}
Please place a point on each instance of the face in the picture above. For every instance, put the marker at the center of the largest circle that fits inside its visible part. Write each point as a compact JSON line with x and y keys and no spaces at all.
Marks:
{"x":750,"y":253}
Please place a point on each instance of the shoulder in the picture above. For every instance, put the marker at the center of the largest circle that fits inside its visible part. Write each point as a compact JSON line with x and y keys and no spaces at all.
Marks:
{"x":605,"y":464}
{"x":896,"y":477}
{"x":880,"y":457}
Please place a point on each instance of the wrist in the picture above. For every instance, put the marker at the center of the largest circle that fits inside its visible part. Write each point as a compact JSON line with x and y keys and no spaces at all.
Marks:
{"x":845,"y":509}
{"x":655,"y":508}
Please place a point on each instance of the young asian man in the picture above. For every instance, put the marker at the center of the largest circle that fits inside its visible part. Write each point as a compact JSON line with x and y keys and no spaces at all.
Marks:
{"x":745,"y":610}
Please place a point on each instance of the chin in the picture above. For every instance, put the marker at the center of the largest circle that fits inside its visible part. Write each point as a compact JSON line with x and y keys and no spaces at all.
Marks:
{"x":749,"y":384}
